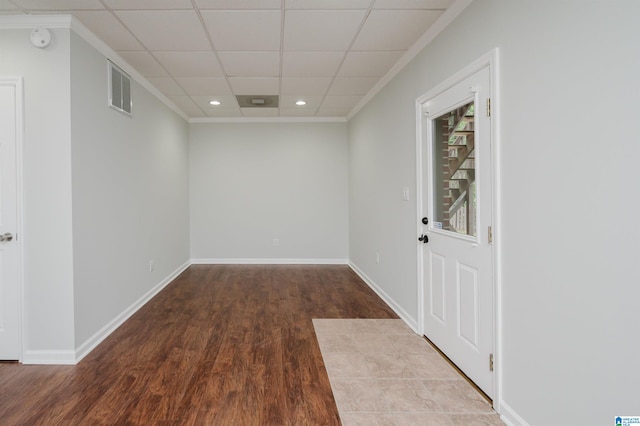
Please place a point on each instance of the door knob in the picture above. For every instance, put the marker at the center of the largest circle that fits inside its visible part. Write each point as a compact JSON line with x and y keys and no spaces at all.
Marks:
{"x":423,"y":238}
{"x":6,"y":237}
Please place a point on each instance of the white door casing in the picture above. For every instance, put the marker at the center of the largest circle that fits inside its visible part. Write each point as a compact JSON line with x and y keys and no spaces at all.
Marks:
{"x":456,"y":272}
{"x":10,"y":219}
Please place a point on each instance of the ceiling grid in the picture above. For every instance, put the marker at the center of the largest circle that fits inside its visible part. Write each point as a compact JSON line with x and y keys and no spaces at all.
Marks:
{"x":329,"y":53}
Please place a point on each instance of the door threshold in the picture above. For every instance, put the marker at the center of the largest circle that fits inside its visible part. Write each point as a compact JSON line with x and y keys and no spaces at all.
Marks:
{"x":455,"y":367}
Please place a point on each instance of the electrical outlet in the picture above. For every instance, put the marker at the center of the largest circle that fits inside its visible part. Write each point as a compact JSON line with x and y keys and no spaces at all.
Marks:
{"x":276,"y":242}
{"x":152,"y":265}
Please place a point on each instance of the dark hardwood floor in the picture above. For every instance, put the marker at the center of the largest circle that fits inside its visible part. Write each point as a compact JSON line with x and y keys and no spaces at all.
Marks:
{"x":221,"y":345}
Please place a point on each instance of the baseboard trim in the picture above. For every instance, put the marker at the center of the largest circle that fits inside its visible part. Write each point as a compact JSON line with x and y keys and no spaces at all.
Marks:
{"x":411,"y":322}
{"x":35,"y":357}
{"x":269,"y":261}
{"x":47,"y":357}
{"x":509,"y":416}
{"x":90,"y":344}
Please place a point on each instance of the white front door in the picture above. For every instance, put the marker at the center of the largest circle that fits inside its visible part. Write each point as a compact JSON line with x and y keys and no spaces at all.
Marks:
{"x":456,"y":223}
{"x":9,"y":285}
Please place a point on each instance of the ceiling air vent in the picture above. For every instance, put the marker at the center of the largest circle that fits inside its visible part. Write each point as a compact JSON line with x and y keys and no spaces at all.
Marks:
{"x":257,"y":101}
{"x":119,"y":89}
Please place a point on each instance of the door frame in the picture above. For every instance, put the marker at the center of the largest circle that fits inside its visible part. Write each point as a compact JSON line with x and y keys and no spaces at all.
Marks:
{"x":490,"y":60}
{"x":17,"y":83}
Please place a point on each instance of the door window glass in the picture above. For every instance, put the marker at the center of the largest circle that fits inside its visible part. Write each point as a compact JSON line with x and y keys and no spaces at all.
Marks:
{"x":454,"y":168}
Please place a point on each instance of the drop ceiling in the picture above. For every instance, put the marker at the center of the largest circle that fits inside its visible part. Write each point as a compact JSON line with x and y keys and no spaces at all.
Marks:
{"x":329,"y":53}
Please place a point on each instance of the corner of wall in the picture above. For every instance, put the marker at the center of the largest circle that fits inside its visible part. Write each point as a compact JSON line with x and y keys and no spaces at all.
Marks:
{"x":92,"y":342}
{"x":404,"y":315}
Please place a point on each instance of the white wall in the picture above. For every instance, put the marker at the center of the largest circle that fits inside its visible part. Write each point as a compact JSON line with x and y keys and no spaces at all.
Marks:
{"x":103,"y":195}
{"x":47,"y":240}
{"x":381,"y":163}
{"x":130,"y":194}
{"x":252,"y":183}
{"x":569,"y":244}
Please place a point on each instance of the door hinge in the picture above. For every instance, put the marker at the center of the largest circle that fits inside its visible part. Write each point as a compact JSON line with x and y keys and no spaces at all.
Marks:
{"x":489,"y":235}
{"x":488,"y":107}
{"x":490,"y":362}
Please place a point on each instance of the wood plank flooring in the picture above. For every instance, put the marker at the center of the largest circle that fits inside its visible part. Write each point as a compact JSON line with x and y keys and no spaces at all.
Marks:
{"x":221,"y":345}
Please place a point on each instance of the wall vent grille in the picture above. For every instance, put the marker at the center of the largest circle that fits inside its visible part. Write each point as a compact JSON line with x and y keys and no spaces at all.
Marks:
{"x":119,"y":90}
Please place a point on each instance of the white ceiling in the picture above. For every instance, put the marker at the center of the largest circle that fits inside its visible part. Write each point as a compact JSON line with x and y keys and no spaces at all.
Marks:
{"x":329,"y":53}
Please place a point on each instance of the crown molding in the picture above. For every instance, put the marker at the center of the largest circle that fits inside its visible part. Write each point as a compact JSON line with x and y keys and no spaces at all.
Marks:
{"x":23,"y":22}
{"x":268,"y":120}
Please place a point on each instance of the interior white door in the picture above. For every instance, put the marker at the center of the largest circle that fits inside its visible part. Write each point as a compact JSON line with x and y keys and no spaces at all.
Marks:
{"x":457,"y":213}
{"x":9,"y":290}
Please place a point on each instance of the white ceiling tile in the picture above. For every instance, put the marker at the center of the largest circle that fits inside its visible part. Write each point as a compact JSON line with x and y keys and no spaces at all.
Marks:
{"x":185,"y":103}
{"x":321,"y":29}
{"x":194,"y":112}
{"x":259,"y":112}
{"x":243,"y":30}
{"x":212,"y":112}
{"x":333,"y":112}
{"x":394,"y":29}
{"x":303,"y":85}
{"x":6,"y":6}
{"x":310,"y":64}
{"x":59,"y":4}
{"x":412,"y":4}
{"x":340,"y":101}
{"x":166,"y":85}
{"x":227,"y":103}
{"x":190,"y":64}
{"x":296,"y":112}
{"x":313,"y":102}
{"x":144,"y":63}
{"x":204,"y":85}
{"x":352,"y":85}
{"x":109,"y":29}
{"x":149,"y":4}
{"x":250,"y":64}
{"x":327,"y":4}
{"x":254,"y":85}
{"x":166,"y":29}
{"x":238,"y":4}
{"x":368,"y":64}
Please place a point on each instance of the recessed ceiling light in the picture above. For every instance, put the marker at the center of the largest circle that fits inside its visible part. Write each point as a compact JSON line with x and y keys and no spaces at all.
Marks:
{"x":214,"y":103}
{"x":301,"y":102}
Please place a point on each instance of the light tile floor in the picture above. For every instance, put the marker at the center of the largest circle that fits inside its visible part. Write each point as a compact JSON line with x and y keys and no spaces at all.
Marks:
{"x":382,"y":373}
